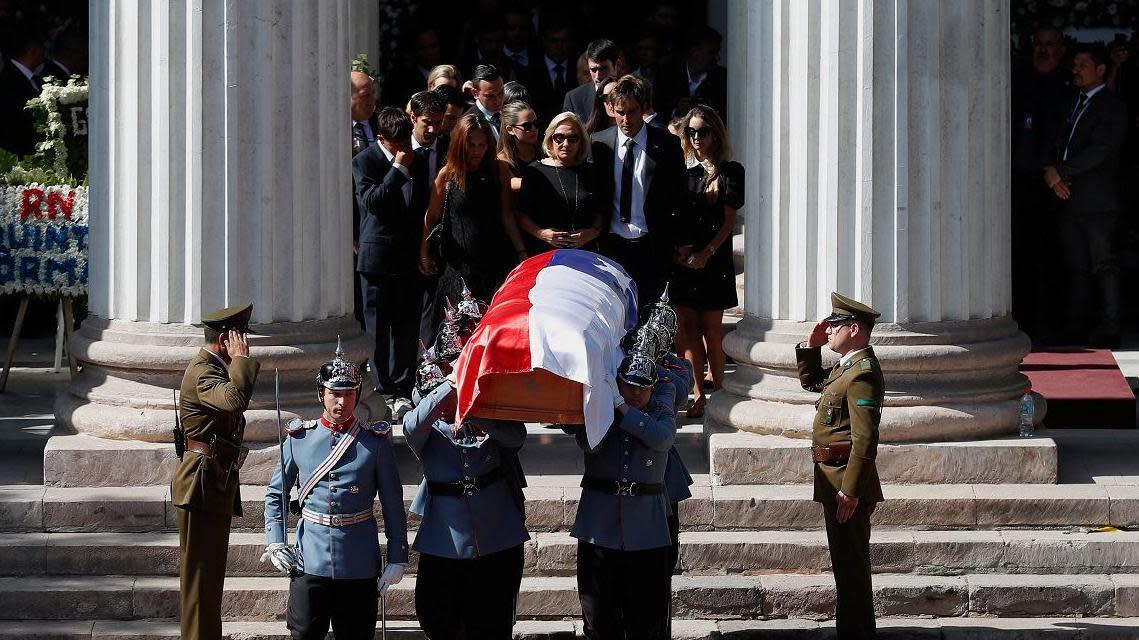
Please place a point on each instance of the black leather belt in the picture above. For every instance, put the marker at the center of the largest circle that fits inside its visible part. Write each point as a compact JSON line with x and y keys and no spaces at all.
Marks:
{"x":465,"y":487}
{"x":620,"y":487}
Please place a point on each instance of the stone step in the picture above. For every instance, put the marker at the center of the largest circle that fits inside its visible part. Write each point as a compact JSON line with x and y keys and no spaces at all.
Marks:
{"x":889,"y":628}
{"x":551,"y":505}
{"x":749,"y":458}
{"x":76,"y":461}
{"x":694,"y":597}
{"x":701,"y":553}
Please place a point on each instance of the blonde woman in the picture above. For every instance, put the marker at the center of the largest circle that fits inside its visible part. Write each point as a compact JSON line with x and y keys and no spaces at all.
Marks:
{"x":518,"y":144}
{"x":703,"y":284}
{"x":444,"y":74}
{"x":560,"y":206}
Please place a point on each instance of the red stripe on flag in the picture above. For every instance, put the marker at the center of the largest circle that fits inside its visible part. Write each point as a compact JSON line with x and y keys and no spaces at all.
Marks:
{"x":506,"y":325}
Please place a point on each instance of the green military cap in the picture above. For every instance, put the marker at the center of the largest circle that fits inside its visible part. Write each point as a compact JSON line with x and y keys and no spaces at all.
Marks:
{"x":229,"y":318}
{"x":845,"y":309}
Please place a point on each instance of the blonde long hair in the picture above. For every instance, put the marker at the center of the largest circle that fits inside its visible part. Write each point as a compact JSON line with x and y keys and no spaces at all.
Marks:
{"x":720,"y":152}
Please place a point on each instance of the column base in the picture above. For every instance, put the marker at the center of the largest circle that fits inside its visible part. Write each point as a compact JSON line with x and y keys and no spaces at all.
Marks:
{"x":130,"y":369}
{"x":944,"y":380}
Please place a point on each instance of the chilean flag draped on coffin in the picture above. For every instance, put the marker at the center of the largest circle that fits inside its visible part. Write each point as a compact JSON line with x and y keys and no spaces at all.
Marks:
{"x":548,"y":347}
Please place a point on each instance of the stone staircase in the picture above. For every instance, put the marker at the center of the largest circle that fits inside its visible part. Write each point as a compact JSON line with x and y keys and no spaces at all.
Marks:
{"x":967,"y":545}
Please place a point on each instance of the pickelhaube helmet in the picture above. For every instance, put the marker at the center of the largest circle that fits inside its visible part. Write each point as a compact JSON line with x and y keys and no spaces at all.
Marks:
{"x":430,"y":372}
{"x":660,"y":318}
{"x":646,"y":341}
{"x":638,"y":370}
{"x":449,"y":342}
{"x":470,"y":308}
{"x":338,"y":374}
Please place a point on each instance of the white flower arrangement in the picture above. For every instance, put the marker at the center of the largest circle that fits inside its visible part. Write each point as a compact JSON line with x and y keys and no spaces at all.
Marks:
{"x":43,"y":239}
{"x":52,"y":96}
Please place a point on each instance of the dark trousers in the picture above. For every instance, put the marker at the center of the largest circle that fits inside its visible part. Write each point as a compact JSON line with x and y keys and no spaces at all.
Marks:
{"x":203,"y":539}
{"x":468,"y":599}
{"x":392,"y":305}
{"x":674,"y":533}
{"x":642,"y":261}
{"x":1087,"y":244}
{"x":315,"y":601}
{"x":849,"y":544}
{"x":428,"y":328}
{"x":624,"y":594}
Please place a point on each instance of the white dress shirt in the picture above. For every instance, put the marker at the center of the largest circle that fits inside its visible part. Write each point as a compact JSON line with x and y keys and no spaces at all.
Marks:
{"x":550,"y":64}
{"x":488,"y":115}
{"x":432,"y":158}
{"x":637,"y":225}
{"x":850,"y":355}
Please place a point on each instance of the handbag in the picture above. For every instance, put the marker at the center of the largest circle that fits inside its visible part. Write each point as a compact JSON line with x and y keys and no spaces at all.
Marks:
{"x":435,"y":241}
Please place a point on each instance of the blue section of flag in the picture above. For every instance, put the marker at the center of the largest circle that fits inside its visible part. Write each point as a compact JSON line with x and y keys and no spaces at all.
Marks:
{"x":601,"y":268}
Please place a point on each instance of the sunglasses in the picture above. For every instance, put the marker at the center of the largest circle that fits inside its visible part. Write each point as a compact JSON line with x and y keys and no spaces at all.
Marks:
{"x":697,"y":133}
{"x":525,"y":126}
{"x":559,"y":138}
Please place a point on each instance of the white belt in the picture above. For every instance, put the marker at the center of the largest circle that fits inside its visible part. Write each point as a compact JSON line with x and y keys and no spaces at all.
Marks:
{"x":337,"y":519}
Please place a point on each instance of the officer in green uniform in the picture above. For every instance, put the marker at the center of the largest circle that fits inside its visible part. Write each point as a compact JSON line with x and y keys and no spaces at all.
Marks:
{"x":215,"y":392}
{"x":844,"y":443}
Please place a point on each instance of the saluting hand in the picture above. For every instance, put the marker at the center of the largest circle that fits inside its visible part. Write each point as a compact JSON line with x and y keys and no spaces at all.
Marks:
{"x":846,"y":506}
{"x":818,"y":335}
{"x":236,"y":344}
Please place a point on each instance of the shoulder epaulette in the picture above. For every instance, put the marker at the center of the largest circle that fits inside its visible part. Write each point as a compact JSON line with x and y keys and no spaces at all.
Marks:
{"x":297,"y":427}
{"x":380,"y":429}
{"x":866,"y":364}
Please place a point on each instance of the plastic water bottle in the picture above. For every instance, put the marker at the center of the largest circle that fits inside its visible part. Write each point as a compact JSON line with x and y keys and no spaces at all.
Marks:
{"x":1027,"y":412}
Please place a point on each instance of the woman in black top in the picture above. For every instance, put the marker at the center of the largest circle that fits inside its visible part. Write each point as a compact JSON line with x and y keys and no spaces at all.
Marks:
{"x":703,"y":284}
{"x":601,"y":119}
{"x":559,"y":206}
{"x":480,"y":239}
{"x":518,"y":145}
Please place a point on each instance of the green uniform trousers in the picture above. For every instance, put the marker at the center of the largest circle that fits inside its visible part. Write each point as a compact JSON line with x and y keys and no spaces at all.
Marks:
{"x":849,"y":544}
{"x":204,"y":542}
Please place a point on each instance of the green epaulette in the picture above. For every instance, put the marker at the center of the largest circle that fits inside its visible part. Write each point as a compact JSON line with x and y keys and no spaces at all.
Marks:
{"x":866,"y":365}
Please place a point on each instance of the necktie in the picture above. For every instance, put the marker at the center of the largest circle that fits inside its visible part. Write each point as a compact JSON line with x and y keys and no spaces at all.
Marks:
{"x":1072,"y":119}
{"x":494,"y":120}
{"x":560,"y":78}
{"x":421,"y":178}
{"x":627,"y":181}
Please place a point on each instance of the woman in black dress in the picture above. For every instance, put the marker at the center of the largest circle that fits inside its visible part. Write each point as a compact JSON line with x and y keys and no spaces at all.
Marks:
{"x":601,"y":118}
{"x":471,"y":198}
{"x":518,"y":145}
{"x":559,"y":206}
{"x":703,"y":284}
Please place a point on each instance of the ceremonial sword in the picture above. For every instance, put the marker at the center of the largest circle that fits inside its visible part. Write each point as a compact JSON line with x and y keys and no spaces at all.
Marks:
{"x":284,"y":488}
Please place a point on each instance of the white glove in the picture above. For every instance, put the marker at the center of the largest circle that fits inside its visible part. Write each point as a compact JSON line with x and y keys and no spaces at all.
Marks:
{"x":283,"y":557}
{"x":392,"y":574}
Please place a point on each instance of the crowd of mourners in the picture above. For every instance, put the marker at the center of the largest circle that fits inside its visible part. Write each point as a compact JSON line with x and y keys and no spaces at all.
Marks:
{"x":531,"y":140}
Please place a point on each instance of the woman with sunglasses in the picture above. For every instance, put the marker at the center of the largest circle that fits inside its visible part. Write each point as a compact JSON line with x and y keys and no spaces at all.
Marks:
{"x":559,"y":206}
{"x":703,"y":284}
{"x":518,"y":144}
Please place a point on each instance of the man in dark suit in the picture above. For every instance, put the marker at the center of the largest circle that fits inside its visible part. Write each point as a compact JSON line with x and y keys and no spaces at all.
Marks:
{"x":487,"y":80}
{"x":18,"y":84}
{"x":551,"y":73}
{"x":69,"y":56}
{"x":605,"y":59}
{"x":1085,"y":177}
{"x":696,"y":78}
{"x":429,"y":144}
{"x":391,"y":222}
{"x":641,"y":171}
{"x":426,"y":48}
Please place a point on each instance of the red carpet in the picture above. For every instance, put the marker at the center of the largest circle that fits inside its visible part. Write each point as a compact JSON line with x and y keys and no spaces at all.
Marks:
{"x":1084,"y":387}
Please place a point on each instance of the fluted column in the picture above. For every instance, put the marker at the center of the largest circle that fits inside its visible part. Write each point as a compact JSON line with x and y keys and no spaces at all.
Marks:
{"x":364,"y":29}
{"x":875,"y":134}
{"x":219,"y":175}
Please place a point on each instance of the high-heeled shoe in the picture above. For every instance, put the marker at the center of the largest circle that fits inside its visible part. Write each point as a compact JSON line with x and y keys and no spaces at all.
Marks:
{"x":696,"y":409}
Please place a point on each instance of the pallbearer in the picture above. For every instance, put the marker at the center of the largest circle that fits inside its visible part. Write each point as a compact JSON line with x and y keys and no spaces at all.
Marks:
{"x":624,"y":553}
{"x":341,"y":464}
{"x":215,"y":393}
{"x":471,"y":537}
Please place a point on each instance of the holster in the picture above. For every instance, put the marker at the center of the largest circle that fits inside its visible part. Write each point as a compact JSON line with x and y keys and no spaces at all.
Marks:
{"x":226,"y":458}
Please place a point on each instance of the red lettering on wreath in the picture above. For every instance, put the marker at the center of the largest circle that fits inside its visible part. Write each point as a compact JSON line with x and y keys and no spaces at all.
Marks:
{"x":33,"y":198}
{"x":56,"y":202}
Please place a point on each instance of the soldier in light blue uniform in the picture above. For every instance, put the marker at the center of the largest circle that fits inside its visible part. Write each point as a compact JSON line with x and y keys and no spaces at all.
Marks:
{"x":472,"y":532}
{"x":624,"y":571}
{"x":343,"y":464}
{"x":676,"y":476}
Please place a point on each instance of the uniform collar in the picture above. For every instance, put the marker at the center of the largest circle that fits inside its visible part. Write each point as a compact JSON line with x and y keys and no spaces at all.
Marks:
{"x":854,"y":356}
{"x":337,"y":427}
{"x":218,"y":359}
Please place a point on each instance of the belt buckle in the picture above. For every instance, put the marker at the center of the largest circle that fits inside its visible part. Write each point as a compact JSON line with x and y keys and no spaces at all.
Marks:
{"x":337,"y":520}
{"x":468,"y":486}
{"x":626,"y":488}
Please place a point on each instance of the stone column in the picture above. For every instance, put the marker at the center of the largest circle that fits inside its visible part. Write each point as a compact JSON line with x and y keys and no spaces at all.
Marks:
{"x":875,"y":136}
{"x":364,"y":29}
{"x":220,"y":174}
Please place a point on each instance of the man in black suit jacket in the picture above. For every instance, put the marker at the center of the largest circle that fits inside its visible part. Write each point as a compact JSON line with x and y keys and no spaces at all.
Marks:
{"x":391,"y":224}
{"x":18,"y":85}
{"x":551,"y":73}
{"x":1085,"y":177}
{"x":488,"y":95}
{"x":695,"y":78}
{"x":605,"y":59}
{"x":429,"y":145}
{"x":642,"y":173}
